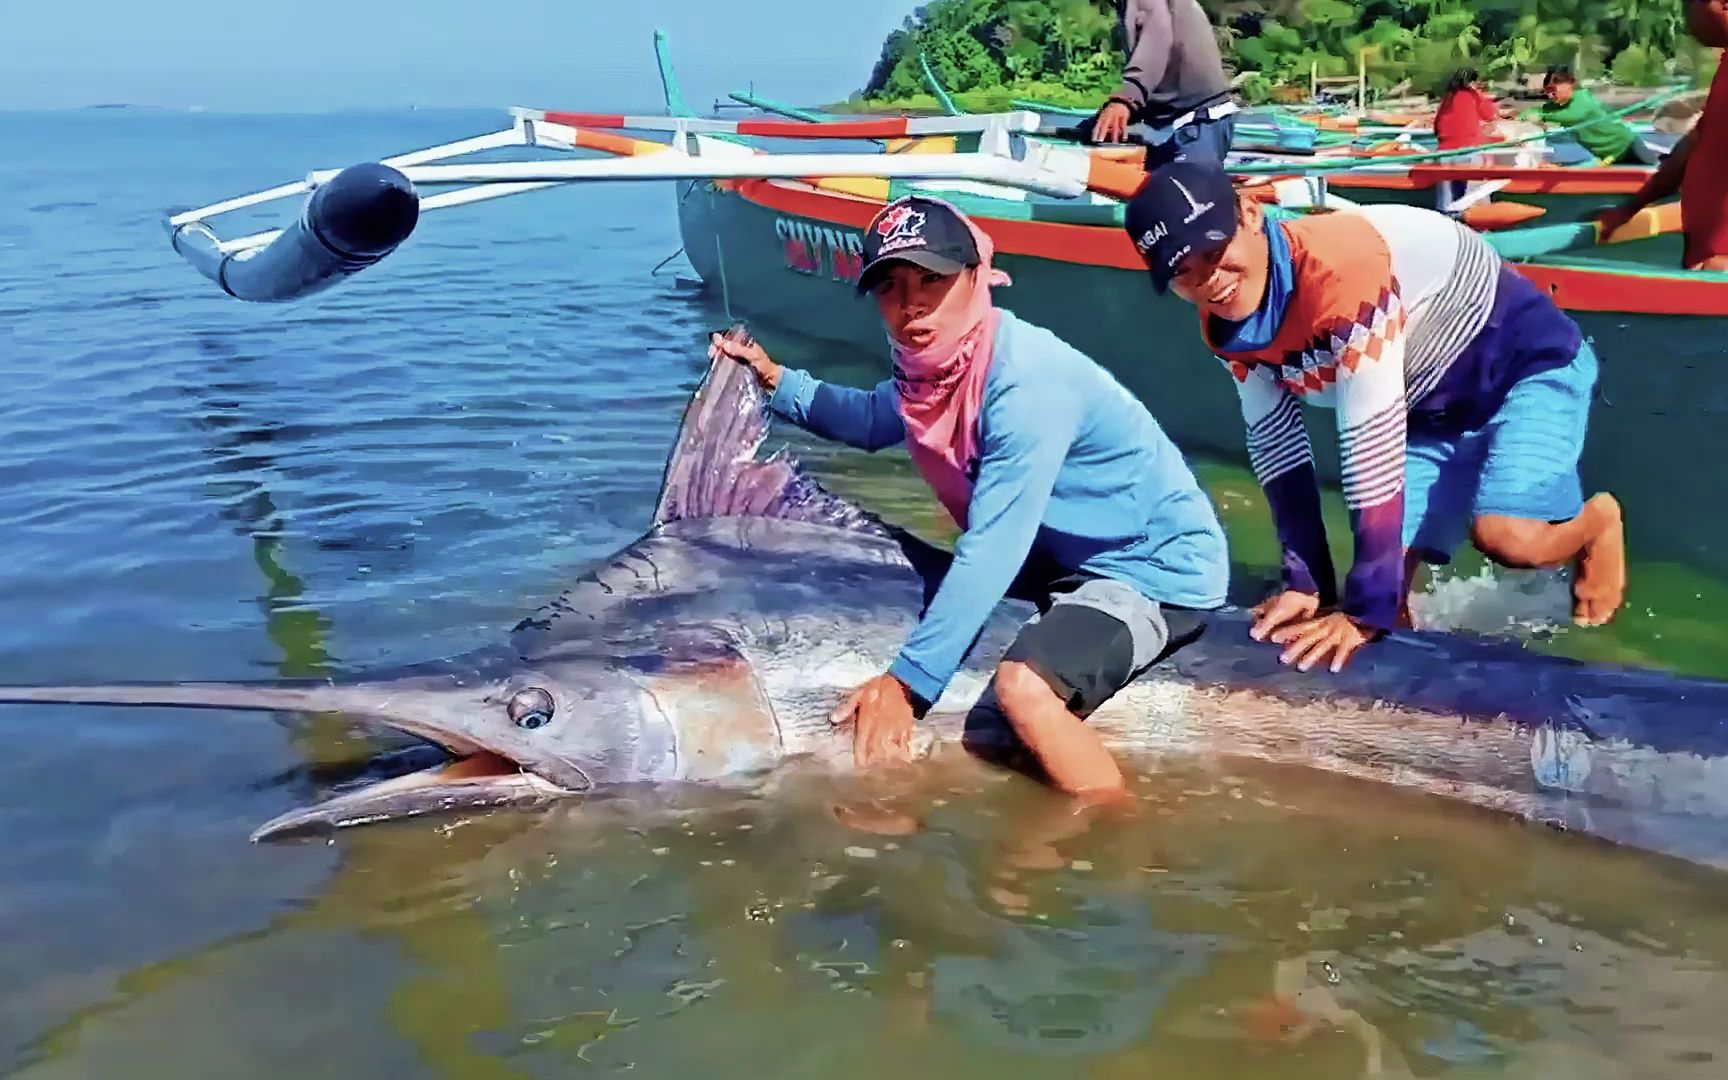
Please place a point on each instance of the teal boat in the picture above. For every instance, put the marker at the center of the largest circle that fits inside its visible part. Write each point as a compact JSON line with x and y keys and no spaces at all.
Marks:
{"x":775,"y":236}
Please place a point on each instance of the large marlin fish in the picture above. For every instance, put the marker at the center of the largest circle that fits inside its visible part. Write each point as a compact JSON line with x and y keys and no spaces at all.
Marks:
{"x":713,"y":648}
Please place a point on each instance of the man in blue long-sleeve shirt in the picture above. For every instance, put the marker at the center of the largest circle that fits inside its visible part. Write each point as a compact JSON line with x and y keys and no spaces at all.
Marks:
{"x":1071,"y":473}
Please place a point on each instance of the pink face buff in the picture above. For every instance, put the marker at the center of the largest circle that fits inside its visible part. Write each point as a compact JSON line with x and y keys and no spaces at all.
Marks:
{"x":941,"y":386}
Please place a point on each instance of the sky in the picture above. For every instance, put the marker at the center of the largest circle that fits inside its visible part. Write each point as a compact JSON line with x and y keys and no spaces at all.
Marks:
{"x":314,"y":55}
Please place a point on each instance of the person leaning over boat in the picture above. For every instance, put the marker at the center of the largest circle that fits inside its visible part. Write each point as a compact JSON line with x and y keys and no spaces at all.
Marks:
{"x":1608,"y":139}
{"x":1173,"y":81}
{"x":1697,"y":167}
{"x":1462,"y":395}
{"x":1044,"y":461}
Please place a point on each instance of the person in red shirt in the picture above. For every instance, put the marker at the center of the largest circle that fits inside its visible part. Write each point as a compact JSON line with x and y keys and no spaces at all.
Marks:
{"x":1462,"y":120}
{"x":1697,"y":167}
{"x":1465,"y":112}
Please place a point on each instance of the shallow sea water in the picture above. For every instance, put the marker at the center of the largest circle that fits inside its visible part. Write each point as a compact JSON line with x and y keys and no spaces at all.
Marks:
{"x":196,"y":489}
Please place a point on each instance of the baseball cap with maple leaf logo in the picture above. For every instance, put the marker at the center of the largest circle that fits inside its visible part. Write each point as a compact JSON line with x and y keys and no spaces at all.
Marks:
{"x":920,"y":231}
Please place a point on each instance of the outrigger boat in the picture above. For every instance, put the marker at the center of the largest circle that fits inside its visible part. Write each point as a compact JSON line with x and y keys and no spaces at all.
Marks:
{"x":777,"y":236}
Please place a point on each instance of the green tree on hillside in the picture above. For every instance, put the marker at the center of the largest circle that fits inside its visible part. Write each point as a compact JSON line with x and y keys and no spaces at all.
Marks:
{"x":1070,"y":49}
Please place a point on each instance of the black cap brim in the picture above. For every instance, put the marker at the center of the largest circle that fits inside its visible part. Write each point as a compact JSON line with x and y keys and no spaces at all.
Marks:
{"x":929,"y":260}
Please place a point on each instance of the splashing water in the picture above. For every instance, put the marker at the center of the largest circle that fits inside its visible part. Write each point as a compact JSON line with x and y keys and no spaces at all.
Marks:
{"x":1497,"y":602}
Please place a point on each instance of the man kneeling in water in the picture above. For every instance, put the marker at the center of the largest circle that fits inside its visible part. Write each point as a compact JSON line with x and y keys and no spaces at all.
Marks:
{"x":1462,"y":395}
{"x":1041,"y":458}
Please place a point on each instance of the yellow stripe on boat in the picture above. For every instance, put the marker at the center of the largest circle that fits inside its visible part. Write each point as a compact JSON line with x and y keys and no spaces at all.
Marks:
{"x":865,"y":187}
{"x":929,"y":144}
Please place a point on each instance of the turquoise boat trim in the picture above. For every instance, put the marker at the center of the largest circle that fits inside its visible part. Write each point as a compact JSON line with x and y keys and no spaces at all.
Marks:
{"x":780,"y":108}
{"x":674,"y":94}
{"x":1537,"y":241}
{"x":1046,"y":107}
{"x":942,"y":98}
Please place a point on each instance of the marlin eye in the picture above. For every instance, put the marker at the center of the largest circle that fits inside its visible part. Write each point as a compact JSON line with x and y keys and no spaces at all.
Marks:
{"x":531,"y":708}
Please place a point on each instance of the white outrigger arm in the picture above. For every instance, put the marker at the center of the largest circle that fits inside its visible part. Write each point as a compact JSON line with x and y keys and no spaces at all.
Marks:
{"x":353,"y":217}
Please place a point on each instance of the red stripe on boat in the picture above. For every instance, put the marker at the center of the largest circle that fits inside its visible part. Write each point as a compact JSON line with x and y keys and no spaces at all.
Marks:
{"x":845,"y":129}
{"x":1578,"y":288}
{"x":583,"y":119}
{"x":1521,"y":181}
{"x":1088,"y":245}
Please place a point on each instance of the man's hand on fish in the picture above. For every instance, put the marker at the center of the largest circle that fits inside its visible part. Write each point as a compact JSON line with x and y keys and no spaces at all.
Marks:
{"x":880,"y":712}
{"x":1309,"y":642}
{"x":1292,"y":619}
{"x":1289,"y":606}
{"x":748,"y":353}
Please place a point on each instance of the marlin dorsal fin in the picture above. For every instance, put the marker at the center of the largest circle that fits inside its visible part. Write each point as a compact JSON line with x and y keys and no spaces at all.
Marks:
{"x":713,"y":471}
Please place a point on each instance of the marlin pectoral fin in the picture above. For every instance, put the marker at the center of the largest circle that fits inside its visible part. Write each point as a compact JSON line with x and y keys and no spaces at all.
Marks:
{"x":722,"y":718}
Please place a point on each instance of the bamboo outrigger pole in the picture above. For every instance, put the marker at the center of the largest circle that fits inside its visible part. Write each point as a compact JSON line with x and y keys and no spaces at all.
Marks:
{"x":354,"y":217}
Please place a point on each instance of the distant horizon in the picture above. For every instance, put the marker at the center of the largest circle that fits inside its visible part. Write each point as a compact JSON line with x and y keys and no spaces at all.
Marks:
{"x":335,"y":56}
{"x":656,"y":108}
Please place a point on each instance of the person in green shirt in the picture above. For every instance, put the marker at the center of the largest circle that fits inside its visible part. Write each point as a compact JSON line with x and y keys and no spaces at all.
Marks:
{"x":1611,"y":141}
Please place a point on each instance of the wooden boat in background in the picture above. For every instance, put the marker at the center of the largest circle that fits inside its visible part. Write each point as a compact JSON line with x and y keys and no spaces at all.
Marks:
{"x":1531,"y":175}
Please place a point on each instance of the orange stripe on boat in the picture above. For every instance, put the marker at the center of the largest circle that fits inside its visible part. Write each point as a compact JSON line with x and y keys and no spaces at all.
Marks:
{"x":621,"y":145}
{"x":1133,"y":155}
{"x":1488,"y":216}
{"x":1116,"y":178}
{"x":583,"y":119}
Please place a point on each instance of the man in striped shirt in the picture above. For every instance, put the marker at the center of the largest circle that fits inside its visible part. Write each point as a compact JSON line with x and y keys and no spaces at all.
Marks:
{"x":1462,"y":395}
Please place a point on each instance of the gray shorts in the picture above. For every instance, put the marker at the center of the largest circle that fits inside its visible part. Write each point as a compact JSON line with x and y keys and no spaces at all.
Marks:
{"x":1092,"y":636}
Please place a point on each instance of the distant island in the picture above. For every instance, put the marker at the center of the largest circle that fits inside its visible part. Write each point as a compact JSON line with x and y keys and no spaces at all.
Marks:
{"x":1065,"y":52}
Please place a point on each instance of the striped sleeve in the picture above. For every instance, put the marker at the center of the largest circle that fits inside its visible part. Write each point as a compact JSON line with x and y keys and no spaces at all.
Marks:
{"x":1447,"y":274}
{"x":1372,"y":424}
{"x":1283,"y":462}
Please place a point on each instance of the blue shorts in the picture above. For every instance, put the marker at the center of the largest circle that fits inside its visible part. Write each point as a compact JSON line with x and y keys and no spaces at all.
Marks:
{"x":1523,"y":463}
{"x":1207,"y":140}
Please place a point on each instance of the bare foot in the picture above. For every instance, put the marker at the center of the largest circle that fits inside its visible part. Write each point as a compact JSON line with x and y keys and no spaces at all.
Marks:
{"x":1601,"y":583}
